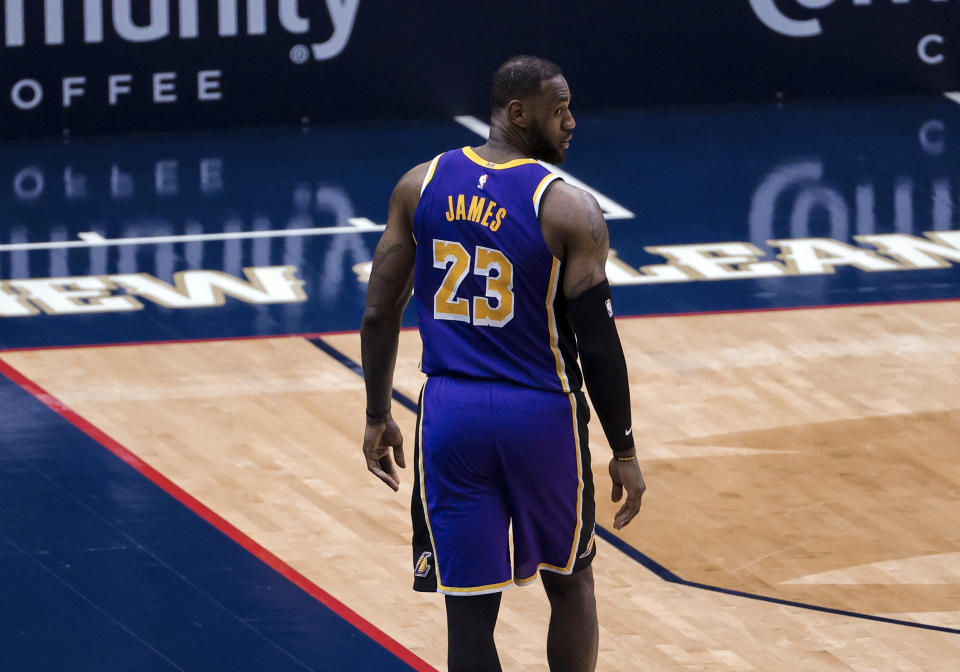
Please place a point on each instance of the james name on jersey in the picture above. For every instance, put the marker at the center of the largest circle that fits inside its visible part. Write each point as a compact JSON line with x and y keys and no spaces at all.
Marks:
{"x":480,"y":211}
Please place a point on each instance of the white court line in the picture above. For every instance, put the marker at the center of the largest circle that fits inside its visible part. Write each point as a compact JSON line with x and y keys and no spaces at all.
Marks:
{"x":92,"y":239}
{"x":611,"y":209}
{"x":953,"y":95}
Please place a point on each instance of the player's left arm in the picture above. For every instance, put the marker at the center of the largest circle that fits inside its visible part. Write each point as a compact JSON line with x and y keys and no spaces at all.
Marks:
{"x":391,"y":282}
{"x":577,"y":217}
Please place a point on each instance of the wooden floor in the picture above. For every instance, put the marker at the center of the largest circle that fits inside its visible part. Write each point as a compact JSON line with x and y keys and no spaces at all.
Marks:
{"x":808,"y":455}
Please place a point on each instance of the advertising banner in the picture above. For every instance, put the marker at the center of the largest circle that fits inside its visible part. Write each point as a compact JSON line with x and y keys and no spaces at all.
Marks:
{"x":99,"y":66}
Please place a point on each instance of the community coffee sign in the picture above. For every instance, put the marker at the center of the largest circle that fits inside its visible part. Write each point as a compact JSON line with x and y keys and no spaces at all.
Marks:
{"x":101,"y":32}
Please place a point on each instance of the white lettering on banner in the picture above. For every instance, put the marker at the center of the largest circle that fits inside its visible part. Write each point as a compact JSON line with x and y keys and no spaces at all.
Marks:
{"x":93,"y":21}
{"x":929,"y":48}
{"x":118,"y":84}
{"x":208,"y":85}
{"x":157,"y":28}
{"x":54,"y":30}
{"x":190,"y":289}
{"x":343,"y":14}
{"x":290,"y":17}
{"x":771,"y":15}
{"x":165,"y":87}
{"x":73,"y":87}
{"x":926,"y":52}
{"x":27,"y":94}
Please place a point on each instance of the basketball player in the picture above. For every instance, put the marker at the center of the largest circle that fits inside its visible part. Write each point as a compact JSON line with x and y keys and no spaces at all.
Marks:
{"x":507,"y":266}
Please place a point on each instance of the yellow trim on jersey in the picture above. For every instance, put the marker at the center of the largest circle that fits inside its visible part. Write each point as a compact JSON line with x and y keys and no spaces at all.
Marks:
{"x":423,"y":485}
{"x":576,"y":533}
{"x":552,"y":325}
{"x":430,"y":171}
{"x":538,"y":192}
{"x":480,"y":161}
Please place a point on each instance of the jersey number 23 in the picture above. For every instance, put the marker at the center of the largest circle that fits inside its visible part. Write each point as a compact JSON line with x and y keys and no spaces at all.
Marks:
{"x":494,"y":309}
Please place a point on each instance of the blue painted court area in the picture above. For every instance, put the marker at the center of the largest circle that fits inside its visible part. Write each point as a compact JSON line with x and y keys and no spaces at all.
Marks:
{"x":102,"y":570}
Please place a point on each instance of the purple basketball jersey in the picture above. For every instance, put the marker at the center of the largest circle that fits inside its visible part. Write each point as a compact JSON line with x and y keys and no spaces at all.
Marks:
{"x":487,"y":288}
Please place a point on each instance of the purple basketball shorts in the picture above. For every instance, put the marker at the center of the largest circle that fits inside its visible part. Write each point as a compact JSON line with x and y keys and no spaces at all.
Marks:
{"x":491,"y":456}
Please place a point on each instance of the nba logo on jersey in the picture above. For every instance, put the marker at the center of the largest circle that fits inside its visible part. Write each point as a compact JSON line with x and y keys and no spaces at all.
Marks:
{"x":422,"y":567}
{"x":482,"y":182}
{"x":609,"y":305}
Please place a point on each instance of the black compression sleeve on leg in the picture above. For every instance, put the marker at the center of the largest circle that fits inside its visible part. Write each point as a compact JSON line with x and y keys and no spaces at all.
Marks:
{"x":471,"y":620}
{"x":604,"y":366}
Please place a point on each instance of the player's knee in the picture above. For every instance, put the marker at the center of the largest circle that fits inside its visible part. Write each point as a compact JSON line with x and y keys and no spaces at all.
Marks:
{"x":576,"y":587}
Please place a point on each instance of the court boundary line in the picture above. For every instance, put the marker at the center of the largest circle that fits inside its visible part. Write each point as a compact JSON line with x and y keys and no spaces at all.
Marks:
{"x":670,"y":577}
{"x":92,"y":239}
{"x":652,"y":565}
{"x":214,"y":519}
{"x":347,"y":332}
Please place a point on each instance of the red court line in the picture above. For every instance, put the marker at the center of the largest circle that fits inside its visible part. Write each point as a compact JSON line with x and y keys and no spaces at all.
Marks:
{"x":343,"y":332}
{"x":778,"y":309}
{"x":210,"y":339}
{"x":265,"y":556}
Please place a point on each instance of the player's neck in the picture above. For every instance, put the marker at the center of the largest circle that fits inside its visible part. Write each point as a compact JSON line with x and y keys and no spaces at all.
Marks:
{"x":504,"y":144}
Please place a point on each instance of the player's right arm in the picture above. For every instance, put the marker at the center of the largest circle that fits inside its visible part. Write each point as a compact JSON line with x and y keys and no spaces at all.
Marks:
{"x":391,"y":281}
{"x":576,"y":232}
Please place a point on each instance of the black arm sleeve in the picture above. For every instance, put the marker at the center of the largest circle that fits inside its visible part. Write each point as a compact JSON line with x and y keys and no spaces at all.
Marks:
{"x":604,"y":366}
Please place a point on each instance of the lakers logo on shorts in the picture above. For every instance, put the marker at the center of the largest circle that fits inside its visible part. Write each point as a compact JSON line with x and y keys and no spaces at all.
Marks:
{"x":422,"y":567}
{"x":590,"y":543}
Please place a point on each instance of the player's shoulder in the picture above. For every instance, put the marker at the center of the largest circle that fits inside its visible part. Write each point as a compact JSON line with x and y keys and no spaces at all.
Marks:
{"x":408,"y":188}
{"x":414,"y":178}
{"x":565,"y":205}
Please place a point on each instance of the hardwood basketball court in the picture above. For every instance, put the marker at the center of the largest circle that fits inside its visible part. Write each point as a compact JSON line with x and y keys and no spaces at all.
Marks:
{"x":794,"y":401}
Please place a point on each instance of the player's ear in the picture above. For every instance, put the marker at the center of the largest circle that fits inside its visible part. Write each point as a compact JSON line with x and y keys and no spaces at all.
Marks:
{"x":518,"y":114}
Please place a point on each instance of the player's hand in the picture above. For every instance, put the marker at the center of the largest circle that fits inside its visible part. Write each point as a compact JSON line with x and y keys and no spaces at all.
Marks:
{"x":626,"y":476}
{"x":378,"y":439}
